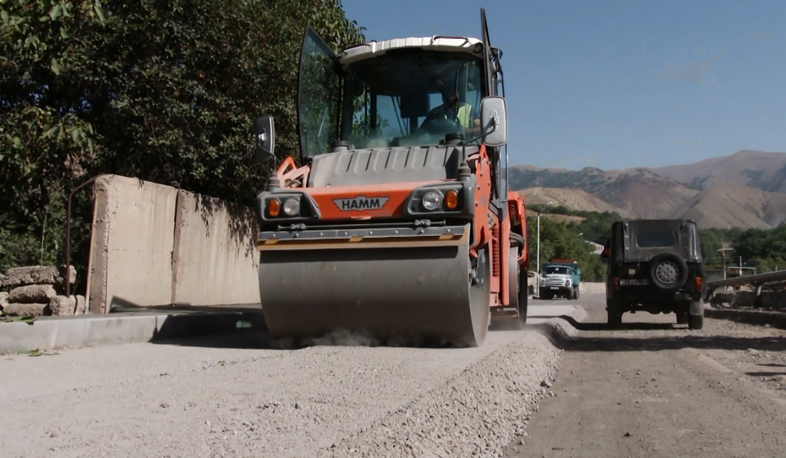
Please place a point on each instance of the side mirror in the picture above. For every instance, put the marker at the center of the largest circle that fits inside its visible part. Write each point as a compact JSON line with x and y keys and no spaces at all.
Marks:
{"x":494,"y":120}
{"x":265,"y":135}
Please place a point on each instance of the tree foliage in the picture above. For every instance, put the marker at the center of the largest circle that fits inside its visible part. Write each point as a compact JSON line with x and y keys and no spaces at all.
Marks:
{"x":763,"y":249}
{"x":164,"y":91}
{"x":557,"y":240}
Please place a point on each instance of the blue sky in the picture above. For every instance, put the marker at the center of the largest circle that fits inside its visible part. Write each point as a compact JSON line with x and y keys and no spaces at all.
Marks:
{"x":620,"y":83}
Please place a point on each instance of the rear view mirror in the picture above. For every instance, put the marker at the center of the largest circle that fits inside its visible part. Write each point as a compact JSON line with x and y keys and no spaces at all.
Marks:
{"x":494,"y":121}
{"x":265,"y":135}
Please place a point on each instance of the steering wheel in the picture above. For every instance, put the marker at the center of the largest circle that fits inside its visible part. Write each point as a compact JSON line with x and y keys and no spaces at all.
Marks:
{"x":442,"y":126}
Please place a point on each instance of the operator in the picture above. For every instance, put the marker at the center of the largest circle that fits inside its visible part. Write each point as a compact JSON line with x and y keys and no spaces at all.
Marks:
{"x":452,"y":108}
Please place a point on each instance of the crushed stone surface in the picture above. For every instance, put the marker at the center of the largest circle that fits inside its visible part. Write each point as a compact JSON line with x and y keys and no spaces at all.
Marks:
{"x":229,"y":397}
{"x":658,"y":389}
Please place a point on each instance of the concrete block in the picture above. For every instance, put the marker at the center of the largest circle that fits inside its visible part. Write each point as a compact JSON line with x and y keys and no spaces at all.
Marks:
{"x":131,"y":249}
{"x":32,"y":294}
{"x":215,"y":262}
{"x":25,"y":309}
{"x":37,"y":275}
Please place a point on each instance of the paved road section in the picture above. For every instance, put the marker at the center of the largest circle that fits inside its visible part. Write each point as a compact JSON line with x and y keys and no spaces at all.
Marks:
{"x":656,"y":389}
{"x":243,"y":397}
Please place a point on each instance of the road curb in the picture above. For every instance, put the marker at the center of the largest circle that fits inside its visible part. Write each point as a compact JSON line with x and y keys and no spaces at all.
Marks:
{"x":559,"y":330}
{"x":121,"y":328}
{"x":755,"y":317}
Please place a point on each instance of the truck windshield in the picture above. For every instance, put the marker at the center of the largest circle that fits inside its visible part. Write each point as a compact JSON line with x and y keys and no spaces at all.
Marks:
{"x":556,"y":270}
{"x":397,"y":99}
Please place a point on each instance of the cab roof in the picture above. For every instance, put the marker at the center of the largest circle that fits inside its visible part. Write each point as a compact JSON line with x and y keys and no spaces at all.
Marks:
{"x":435,"y":43}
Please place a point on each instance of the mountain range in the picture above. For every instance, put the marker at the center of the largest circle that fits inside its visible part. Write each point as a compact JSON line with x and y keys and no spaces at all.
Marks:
{"x":746,"y":189}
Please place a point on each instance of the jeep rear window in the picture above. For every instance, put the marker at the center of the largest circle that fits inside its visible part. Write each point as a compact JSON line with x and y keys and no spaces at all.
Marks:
{"x":648,"y":239}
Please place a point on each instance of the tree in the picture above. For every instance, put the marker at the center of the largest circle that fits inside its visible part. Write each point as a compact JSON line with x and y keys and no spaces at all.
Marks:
{"x":164,"y":91}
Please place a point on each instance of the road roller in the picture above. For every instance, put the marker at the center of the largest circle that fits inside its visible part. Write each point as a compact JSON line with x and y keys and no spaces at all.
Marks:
{"x":397,"y":223}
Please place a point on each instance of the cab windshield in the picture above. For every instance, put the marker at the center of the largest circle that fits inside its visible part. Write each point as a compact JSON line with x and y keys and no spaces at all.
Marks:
{"x":556,"y":270}
{"x":411,"y":97}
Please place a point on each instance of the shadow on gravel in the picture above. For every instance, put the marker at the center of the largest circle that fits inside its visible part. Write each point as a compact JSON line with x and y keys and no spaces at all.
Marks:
{"x":765,"y":374}
{"x":612,"y":343}
{"x":248,"y":330}
{"x":623,"y":327}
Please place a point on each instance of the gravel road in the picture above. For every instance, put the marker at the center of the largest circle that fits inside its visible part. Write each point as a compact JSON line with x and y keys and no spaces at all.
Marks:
{"x":657,"y":389}
{"x":237,"y":397}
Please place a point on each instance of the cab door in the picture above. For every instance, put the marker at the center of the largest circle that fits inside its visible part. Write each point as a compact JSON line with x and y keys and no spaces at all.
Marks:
{"x":319,"y":91}
{"x":500,"y":170}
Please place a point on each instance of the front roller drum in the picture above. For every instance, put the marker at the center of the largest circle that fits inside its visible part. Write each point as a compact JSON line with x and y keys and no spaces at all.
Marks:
{"x":399,"y":295}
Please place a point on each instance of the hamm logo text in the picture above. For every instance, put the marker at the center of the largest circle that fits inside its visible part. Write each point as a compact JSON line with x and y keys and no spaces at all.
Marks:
{"x":360,"y":203}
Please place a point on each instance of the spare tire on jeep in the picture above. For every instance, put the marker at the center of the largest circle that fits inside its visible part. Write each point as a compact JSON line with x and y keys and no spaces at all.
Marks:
{"x":668,"y":271}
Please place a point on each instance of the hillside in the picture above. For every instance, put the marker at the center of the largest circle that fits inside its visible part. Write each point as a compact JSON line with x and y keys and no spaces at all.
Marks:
{"x":745,"y":189}
{"x":735,"y":205}
{"x":637,"y":193}
{"x":574,"y":199}
{"x":765,"y":171}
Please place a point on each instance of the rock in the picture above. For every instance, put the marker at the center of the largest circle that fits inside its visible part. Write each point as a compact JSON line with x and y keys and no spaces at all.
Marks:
{"x":81,"y":305}
{"x":545,"y":383}
{"x":26,"y":309}
{"x":62,"y":305}
{"x":32,"y":294}
{"x":3,"y":299}
{"x":36,"y":275}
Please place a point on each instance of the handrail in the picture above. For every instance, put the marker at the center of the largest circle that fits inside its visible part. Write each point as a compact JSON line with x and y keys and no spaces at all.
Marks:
{"x":757,"y":279}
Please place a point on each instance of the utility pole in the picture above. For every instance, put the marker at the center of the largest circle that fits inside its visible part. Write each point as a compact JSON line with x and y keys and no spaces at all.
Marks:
{"x":723,"y":250}
{"x":537,"y":260}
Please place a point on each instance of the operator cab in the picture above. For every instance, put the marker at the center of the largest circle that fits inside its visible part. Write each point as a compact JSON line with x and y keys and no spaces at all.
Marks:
{"x":403,"y":92}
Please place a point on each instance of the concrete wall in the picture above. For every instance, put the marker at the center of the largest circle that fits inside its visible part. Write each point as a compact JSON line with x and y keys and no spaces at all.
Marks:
{"x":157,"y":245}
{"x":214,"y":253}
{"x":587,"y":287}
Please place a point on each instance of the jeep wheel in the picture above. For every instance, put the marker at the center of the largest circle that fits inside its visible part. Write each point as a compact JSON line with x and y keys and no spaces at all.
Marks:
{"x":696,"y":314}
{"x":695,"y":321}
{"x":668,"y":271}
{"x":614,"y":318}
{"x":682,"y":317}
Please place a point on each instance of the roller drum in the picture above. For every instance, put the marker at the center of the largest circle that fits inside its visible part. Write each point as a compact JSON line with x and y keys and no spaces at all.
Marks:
{"x":410,"y":295}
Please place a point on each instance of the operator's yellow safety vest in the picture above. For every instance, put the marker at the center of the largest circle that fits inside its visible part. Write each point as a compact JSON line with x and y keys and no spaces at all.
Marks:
{"x":463,"y":115}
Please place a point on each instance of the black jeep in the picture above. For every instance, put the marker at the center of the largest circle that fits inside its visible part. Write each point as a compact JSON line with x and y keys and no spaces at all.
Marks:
{"x":655,"y":266}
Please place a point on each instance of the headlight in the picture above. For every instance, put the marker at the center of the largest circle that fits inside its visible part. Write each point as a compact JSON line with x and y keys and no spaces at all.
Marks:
{"x":292,"y":206}
{"x":431,"y":200}
{"x":567,"y":282}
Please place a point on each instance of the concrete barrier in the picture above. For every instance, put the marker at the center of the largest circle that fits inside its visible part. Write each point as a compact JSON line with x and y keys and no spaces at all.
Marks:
{"x":132,"y":241}
{"x":772,"y":300}
{"x":155,"y":245}
{"x":214,"y":256}
{"x":587,"y":287}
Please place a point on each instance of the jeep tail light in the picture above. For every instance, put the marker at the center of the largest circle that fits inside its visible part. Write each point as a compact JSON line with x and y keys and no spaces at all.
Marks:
{"x":616,"y":282}
{"x":698,"y":283}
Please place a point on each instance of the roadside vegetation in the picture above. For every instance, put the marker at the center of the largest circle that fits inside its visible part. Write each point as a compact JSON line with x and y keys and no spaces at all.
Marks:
{"x":764,"y":249}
